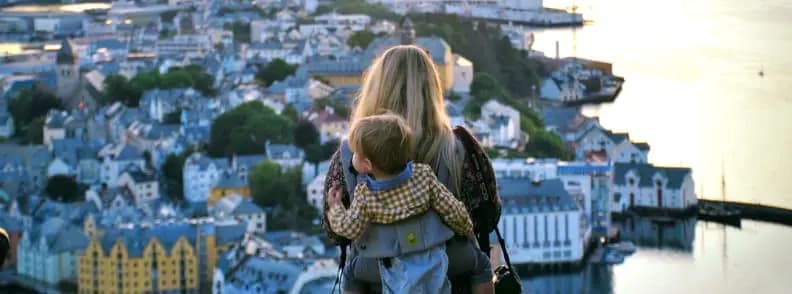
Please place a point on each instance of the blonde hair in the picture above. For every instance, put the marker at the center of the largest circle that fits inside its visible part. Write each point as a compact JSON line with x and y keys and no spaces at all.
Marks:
{"x":404,"y":80}
{"x":385,"y":139}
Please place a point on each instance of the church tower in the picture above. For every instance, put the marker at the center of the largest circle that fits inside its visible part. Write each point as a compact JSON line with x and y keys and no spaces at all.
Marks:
{"x":67,"y":73}
{"x":407,"y":32}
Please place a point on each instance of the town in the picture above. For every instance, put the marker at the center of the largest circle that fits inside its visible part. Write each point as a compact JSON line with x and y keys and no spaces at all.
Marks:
{"x":183,"y":146}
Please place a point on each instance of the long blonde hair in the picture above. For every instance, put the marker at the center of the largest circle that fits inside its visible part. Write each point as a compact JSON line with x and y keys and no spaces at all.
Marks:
{"x":404,"y":80}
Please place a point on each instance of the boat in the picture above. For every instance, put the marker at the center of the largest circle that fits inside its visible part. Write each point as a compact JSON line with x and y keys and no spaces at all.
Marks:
{"x":719,"y":212}
{"x":612,"y":257}
{"x":623,"y":247}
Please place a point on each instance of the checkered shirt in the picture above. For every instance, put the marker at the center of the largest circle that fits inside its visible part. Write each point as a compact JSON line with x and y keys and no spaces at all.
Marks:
{"x":414,"y":197}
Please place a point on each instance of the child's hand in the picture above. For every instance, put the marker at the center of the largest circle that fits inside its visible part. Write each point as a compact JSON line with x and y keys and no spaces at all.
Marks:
{"x":334,"y":196}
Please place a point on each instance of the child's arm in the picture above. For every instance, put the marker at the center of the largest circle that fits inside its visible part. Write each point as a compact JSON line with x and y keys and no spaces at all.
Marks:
{"x":348,"y":222}
{"x":452,"y":210}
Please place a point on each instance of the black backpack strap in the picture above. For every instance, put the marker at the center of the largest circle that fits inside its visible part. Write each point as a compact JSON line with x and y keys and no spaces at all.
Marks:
{"x":341,"y":263}
{"x":503,"y":248}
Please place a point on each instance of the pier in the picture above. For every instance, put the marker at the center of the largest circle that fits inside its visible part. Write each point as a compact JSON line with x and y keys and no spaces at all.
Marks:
{"x":755,"y":211}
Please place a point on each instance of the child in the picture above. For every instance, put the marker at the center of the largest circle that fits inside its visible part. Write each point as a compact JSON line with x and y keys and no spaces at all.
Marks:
{"x":393,"y":190}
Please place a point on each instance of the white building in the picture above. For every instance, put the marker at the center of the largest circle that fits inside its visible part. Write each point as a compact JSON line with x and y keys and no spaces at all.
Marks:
{"x":638,"y":185}
{"x":598,"y":139}
{"x":286,"y":155}
{"x":200,"y":173}
{"x":493,"y":110}
{"x":315,"y":191}
{"x":58,"y":166}
{"x":530,"y":169}
{"x":463,"y":74}
{"x":143,"y":185}
{"x":115,"y":158}
{"x":354,"y":22}
{"x":54,"y":126}
{"x":185,"y":46}
{"x":242,"y":209}
{"x":541,"y":223}
{"x":629,"y":152}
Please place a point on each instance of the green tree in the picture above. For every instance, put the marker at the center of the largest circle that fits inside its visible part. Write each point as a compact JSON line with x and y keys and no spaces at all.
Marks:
{"x":275,"y":70}
{"x":241,"y":31}
{"x":338,"y":108}
{"x":246,"y":129}
{"x":305,"y":134}
{"x":64,"y":188}
{"x":173,"y":117}
{"x":172,"y":169}
{"x":29,"y":109}
{"x":360,"y":39}
{"x":118,"y":88}
{"x":547,"y":145}
{"x":290,"y":112}
{"x":273,"y":187}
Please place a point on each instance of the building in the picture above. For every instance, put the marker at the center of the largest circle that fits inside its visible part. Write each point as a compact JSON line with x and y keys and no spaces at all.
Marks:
{"x":228,"y":184}
{"x":629,"y":152}
{"x":531,"y":169}
{"x":143,"y":184}
{"x":645,"y":186}
{"x":54,"y":126}
{"x":67,"y":73}
{"x":463,"y":74}
{"x":598,"y":139}
{"x":6,"y":125}
{"x":315,"y":191}
{"x":500,"y":115}
{"x":286,"y":155}
{"x":243,"y":210}
{"x":541,"y":223}
{"x":331,"y":126}
{"x":48,"y":252}
{"x":590,"y":185}
{"x":185,"y":46}
{"x":155,"y":258}
{"x":335,"y":21}
{"x":115,"y":158}
{"x":200,"y":174}
{"x":349,"y":70}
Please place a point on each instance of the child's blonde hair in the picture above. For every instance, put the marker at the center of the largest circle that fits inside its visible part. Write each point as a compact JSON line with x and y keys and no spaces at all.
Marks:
{"x":385,"y":139}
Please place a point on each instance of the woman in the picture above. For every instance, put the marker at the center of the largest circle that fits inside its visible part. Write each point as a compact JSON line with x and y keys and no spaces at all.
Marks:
{"x":404,"y":80}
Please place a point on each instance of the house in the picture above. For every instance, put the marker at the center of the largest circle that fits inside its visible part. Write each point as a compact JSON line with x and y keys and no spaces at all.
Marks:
{"x":158,"y":103}
{"x":494,"y":113}
{"x":590,"y":185}
{"x":541,"y":223}
{"x":143,"y":185}
{"x":54,"y":126}
{"x":115,"y":158}
{"x":48,"y":252}
{"x":645,"y":186}
{"x":200,"y":174}
{"x":297,"y":244}
{"x":629,"y":152}
{"x":336,"y":21}
{"x":229,"y":183}
{"x":567,"y":122}
{"x":254,"y":274}
{"x":315,"y":191}
{"x":59,"y":166}
{"x":463,"y":74}
{"x":111,"y":200}
{"x":242,"y":209}
{"x":502,"y":132}
{"x":598,"y":139}
{"x":530,"y":169}
{"x":286,"y":155}
{"x":331,"y":127}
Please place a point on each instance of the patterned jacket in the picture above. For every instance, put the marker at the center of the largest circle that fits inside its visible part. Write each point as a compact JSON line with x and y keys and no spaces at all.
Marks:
{"x":409,"y":194}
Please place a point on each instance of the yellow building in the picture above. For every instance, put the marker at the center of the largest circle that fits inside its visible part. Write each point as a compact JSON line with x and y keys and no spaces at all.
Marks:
{"x":159,"y":258}
{"x":349,"y":71}
{"x":228,"y":184}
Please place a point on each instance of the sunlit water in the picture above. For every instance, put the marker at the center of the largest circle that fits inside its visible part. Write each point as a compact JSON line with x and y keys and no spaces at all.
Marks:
{"x":692,"y":86}
{"x":687,"y":257}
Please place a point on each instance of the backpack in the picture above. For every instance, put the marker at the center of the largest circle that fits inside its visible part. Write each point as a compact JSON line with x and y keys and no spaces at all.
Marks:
{"x":481,"y":199}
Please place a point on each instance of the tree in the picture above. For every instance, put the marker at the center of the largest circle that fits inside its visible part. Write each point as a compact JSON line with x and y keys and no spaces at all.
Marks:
{"x":275,"y":70}
{"x":246,"y":129}
{"x":29,"y":109}
{"x":547,"y":145}
{"x":290,"y":112}
{"x":360,"y":39}
{"x":306,"y":134}
{"x":273,"y":187}
{"x":118,"y":88}
{"x":63,"y":188}
{"x":172,"y":169}
{"x":241,"y":31}
{"x":173,"y":117}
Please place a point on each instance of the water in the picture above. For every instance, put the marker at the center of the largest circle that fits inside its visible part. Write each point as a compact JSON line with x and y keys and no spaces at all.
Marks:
{"x":686,"y":257}
{"x":692,"y":86}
